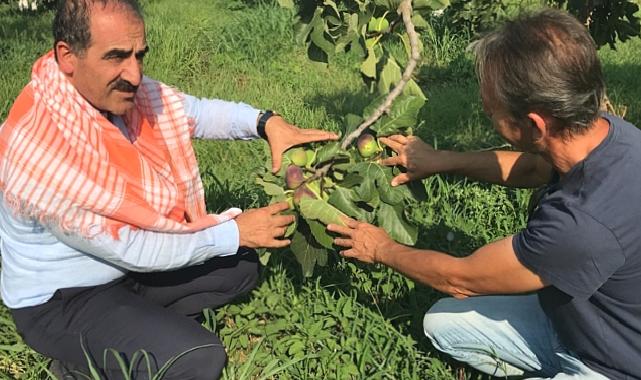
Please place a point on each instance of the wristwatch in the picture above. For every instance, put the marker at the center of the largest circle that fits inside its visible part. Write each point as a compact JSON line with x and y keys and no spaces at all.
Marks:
{"x":262,"y":121}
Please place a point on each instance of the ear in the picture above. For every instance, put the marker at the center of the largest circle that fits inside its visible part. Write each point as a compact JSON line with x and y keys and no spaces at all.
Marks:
{"x":67,"y":60}
{"x":540,"y":127}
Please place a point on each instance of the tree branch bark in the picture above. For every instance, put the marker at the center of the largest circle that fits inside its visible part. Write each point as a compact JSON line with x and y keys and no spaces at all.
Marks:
{"x":405,"y":9}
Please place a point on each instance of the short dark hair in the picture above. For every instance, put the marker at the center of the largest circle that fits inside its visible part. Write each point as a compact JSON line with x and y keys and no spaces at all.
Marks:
{"x":71,"y":23}
{"x":545,"y":62}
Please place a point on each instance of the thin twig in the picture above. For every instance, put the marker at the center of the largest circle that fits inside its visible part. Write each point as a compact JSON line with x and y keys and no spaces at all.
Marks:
{"x":405,"y":10}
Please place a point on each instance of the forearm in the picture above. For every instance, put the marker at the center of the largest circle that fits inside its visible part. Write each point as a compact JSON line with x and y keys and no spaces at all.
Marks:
{"x":221,"y":120}
{"x":491,"y":269}
{"x":432,"y":268}
{"x":147,"y":251}
{"x":507,"y":168}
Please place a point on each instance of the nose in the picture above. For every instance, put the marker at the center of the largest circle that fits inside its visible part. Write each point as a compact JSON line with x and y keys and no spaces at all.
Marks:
{"x":132,"y":71}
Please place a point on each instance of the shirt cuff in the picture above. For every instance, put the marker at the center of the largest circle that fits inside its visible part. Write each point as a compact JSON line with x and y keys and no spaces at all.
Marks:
{"x":246,"y":119}
{"x":226,"y":237}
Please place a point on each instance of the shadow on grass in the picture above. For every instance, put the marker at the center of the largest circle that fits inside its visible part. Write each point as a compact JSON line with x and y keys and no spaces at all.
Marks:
{"x":340,"y":104}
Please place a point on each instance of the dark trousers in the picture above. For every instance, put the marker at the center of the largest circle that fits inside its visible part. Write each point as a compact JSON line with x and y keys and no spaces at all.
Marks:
{"x":156,"y":312}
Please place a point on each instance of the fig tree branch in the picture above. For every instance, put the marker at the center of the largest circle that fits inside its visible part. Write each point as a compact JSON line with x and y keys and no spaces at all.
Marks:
{"x":405,"y":9}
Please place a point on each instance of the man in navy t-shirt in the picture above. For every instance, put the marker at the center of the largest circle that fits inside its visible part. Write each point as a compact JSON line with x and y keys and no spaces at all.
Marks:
{"x":560,"y":299}
{"x":584,"y":240}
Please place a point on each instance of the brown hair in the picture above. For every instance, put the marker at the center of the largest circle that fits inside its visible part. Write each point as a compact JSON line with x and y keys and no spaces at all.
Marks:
{"x":72,"y":25}
{"x":545,"y":62}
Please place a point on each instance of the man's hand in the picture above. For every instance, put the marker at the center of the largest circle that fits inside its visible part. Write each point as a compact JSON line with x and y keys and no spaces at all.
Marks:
{"x":261,"y":227}
{"x":419,"y":158}
{"x":366,"y":242}
{"x":281,"y":136}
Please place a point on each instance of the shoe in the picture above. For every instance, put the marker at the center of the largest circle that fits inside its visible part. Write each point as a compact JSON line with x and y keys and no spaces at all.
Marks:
{"x":60,"y":371}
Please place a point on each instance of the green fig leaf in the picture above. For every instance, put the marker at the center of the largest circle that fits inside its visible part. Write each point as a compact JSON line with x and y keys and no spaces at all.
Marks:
{"x":308,"y":252}
{"x":388,"y":4}
{"x":344,"y":200}
{"x":403,"y":114}
{"x":327,"y":152}
{"x":431,"y":4}
{"x":368,"y":67}
{"x":318,"y":209}
{"x":389,"y":194}
{"x":331,"y":151}
{"x":291,"y":228}
{"x":392,"y":219}
{"x":412,"y":89}
{"x":419,"y":21}
{"x":390,"y":75}
{"x":351,"y":122}
{"x":352,"y":180}
{"x":271,"y":189}
{"x":406,"y":43}
{"x":289,"y":4}
{"x":320,"y":234}
{"x":317,"y":35}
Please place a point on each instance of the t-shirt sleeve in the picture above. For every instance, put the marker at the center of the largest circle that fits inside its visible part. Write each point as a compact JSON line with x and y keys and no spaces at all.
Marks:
{"x":569,"y":249}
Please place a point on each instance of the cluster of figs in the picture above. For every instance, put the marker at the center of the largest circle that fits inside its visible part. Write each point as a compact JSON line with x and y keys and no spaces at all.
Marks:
{"x":298,"y":181}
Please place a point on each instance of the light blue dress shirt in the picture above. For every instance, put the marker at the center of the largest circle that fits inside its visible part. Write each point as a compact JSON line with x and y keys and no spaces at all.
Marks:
{"x":36,"y":261}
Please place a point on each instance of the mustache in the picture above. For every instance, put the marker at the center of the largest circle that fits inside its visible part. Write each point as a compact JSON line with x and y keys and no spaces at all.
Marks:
{"x":124,"y":86}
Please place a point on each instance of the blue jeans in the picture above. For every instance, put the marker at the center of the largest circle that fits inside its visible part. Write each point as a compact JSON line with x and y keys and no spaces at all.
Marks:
{"x":503,"y":336}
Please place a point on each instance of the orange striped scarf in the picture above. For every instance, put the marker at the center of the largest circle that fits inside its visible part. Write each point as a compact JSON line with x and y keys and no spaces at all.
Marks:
{"x":63,"y":163}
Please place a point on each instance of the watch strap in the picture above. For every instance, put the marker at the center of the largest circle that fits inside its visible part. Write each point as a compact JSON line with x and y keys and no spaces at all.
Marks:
{"x":262,"y":121}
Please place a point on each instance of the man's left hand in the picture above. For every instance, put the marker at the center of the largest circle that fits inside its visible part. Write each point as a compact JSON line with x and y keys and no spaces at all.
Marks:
{"x":281,"y":136}
{"x":364,"y":241}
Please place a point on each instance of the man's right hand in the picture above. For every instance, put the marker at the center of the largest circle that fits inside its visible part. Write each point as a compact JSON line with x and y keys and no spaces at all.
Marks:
{"x":262,"y":227}
{"x":419,"y":158}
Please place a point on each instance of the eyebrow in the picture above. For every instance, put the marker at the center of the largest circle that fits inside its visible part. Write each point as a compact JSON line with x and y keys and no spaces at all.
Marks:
{"x":120,"y":53}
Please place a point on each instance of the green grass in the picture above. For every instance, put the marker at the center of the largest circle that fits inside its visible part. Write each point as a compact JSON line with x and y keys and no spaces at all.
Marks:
{"x":350,"y":320}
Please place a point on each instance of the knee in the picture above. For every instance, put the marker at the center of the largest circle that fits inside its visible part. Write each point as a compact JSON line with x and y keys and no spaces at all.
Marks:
{"x":204,"y":362}
{"x":248,"y":271}
{"x":439,"y":319}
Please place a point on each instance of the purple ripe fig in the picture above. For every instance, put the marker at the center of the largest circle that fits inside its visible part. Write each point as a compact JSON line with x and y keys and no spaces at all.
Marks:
{"x":293,"y":176}
{"x":367,"y":145}
{"x":298,"y":157}
{"x":303,"y":192}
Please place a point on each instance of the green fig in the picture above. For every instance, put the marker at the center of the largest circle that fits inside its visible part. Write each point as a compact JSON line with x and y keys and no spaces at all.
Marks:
{"x":293,"y":177}
{"x":367,"y":145}
{"x":298,"y":157}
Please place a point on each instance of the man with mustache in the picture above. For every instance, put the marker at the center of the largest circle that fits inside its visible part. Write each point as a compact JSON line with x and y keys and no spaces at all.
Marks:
{"x":106,"y":243}
{"x":560,"y":298}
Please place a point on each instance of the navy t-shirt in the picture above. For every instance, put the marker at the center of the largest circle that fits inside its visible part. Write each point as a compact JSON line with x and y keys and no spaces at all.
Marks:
{"x":584,"y":239}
